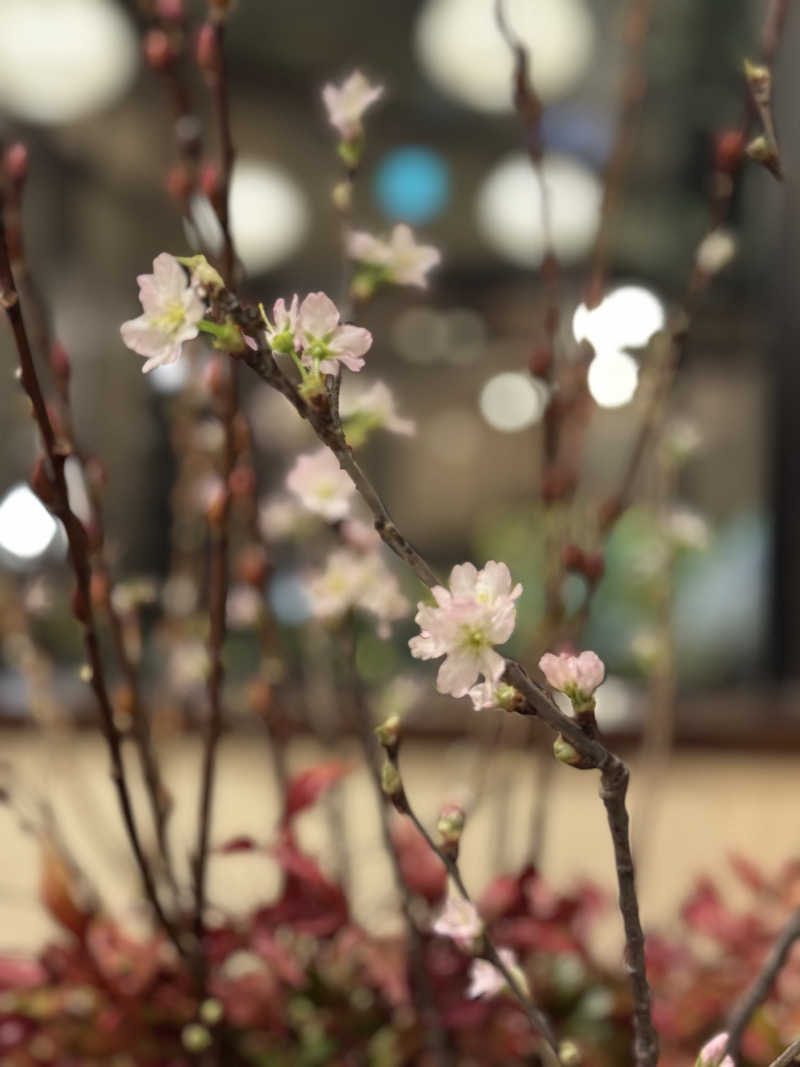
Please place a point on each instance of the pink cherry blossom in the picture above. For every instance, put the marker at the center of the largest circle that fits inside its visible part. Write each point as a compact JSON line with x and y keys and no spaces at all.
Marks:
{"x":322,"y":486}
{"x":485,"y":980}
{"x":468,"y":619}
{"x":172,"y":310}
{"x":324,"y":341}
{"x":359,"y":580}
{"x":346,"y":103}
{"x":713,"y":1053}
{"x":577,"y":676}
{"x":403,"y":260}
{"x":374,"y":409}
{"x":281,"y":331}
{"x":459,"y":920}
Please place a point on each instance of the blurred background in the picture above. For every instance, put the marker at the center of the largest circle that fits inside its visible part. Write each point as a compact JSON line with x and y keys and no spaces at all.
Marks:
{"x":445,"y":153}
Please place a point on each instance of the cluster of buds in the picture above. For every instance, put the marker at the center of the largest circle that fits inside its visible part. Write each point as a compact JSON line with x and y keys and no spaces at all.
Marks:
{"x":450,"y":827}
{"x":388,"y":735}
{"x":764,"y":147}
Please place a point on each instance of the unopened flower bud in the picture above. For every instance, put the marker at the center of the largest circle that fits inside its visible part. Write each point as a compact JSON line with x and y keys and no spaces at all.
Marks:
{"x":576,"y":676}
{"x":350,"y":152}
{"x":572,"y":557}
{"x":564,"y":752}
{"x":60,"y":362}
{"x":242,"y":481}
{"x":540,"y":361}
{"x":100,"y":590}
{"x":728,"y":151}
{"x":341,"y":195}
{"x":203,"y":275}
{"x":252,"y":566}
{"x":195,"y":1037}
{"x":217,"y":505}
{"x":388,"y":733}
{"x":763,"y":151}
{"x":179,"y":184}
{"x":211,"y":182}
{"x":211,"y":1011}
{"x":594,"y":567}
{"x":759,"y":81}
{"x":80,"y":604}
{"x":207,"y":49}
{"x":569,"y":1054}
{"x":171,"y":10}
{"x":15,"y":163}
{"x":391,"y":782}
{"x":158,"y":51}
{"x":450,"y":826}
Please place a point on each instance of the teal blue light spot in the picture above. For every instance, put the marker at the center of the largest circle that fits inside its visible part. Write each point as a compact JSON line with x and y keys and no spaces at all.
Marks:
{"x":412,"y":184}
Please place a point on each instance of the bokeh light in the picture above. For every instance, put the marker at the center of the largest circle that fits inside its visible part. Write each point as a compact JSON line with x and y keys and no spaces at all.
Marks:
{"x":612,"y":379}
{"x":27,"y":529}
{"x":412,"y":184}
{"x":63,"y":61}
{"x":509,"y":209}
{"x":512,"y":401}
{"x":460,"y":48}
{"x":289,"y":599}
{"x":626,"y":318}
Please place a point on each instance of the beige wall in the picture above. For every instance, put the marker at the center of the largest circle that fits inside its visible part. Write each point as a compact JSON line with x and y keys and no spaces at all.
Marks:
{"x":710,"y":804}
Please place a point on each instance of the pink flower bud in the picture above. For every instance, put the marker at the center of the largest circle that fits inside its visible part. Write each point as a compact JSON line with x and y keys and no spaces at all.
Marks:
{"x":179,"y":184}
{"x":15,"y":162}
{"x":211,"y":182}
{"x":713,"y":1053}
{"x":158,"y":51}
{"x":577,"y":676}
{"x":171,"y":10}
{"x":207,"y":49}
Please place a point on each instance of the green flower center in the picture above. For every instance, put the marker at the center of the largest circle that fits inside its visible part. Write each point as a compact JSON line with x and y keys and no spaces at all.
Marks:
{"x":172,"y":318}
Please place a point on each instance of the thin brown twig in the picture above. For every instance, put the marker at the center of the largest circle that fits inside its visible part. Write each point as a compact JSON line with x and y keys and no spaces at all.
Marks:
{"x":759,"y":989}
{"x":422,"y":993}
{"x":78,"y":547}
{"x":218,"y":563}
{"x":788,"y":1056}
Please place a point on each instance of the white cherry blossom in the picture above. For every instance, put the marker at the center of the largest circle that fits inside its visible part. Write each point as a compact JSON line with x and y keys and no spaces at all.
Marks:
{"x":324,"y":341}
{"x":321,"y":485}
{"x":459,"y":920}
{"x":400,"y":258}
{"x":171,"y":311}
{"x":485,"y":980}
{"x":373,"y":409}
{"x":353,"y":579}
{"x":346,"y":103}
{"x":467,"y":620}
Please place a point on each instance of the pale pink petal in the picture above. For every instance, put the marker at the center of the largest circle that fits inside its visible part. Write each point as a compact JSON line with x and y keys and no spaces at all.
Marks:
{"x":457,"y":674}
{"x":318,"y":315}
{"x":463,"y":578}
{"x":350,"y":340}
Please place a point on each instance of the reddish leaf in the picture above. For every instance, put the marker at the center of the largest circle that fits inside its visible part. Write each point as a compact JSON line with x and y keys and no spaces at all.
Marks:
{"x":19,"y":973}
{"x":306,"y":788}
{"x":748,"y":873}
{"x":237,"y":844}
{"x":62,"y":893}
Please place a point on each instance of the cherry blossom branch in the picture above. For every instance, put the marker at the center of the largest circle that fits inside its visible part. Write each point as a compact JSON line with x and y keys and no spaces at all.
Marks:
{"x":422,"y":993}
{"x":215,"y":70}
{"x":399,"y":798}
{"x":788,"y":1056}
{"x":52,"y":483}
{"x":759,"y":989}
{"x":47,"y":346}
{"x":631,"y":95}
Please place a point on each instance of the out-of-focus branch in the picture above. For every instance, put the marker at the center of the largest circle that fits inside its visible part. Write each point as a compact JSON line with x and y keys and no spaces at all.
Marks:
{"x":51,"y":484}
{"x":788,"y":1056}
{"x":759,"y":989}
{"x":45,"y":346}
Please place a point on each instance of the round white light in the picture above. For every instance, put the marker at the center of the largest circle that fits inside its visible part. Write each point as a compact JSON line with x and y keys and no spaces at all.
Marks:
{"x":461,"y":50}
{"x":269,"y":215}
{"x":627,"y":318}
{"x":509,"y":209}
{"x":512,"y":401}
{"x":61,"y":60}
{"x":612,"y":379}
{"x":27,"y":528}
{"x":169,"y":378}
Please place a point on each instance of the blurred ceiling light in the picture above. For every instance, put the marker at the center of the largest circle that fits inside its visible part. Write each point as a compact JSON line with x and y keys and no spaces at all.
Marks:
{"x":27,"y":529}
{"x":461,"y":50}
{"x":466,"y":336}
{"x":412,"y":184}
{"x":627,"y":318}
{"x":612,"y":379}
{"x":269,"y":216}
{"x":77,"y":491}
{"x":512,"y":401}
{"x":169,"y":378}
{"x":289,"y":599}
{"x":61,"y":60}
{"x":509,"y":209}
